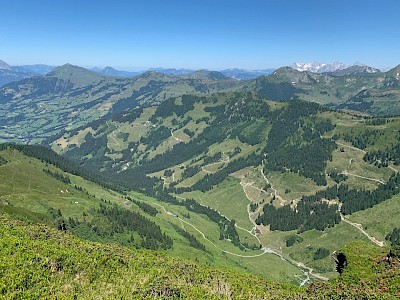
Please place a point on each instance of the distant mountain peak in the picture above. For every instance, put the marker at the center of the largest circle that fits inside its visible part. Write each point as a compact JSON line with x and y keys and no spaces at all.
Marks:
{"x":4,"y":65}
{"x":356,"y":70}
{"x":109,"y":71}
{"x":317,"y":67}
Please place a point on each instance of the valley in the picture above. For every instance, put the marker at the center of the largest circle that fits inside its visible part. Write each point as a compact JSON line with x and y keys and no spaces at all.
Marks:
{"x":267,"y":176}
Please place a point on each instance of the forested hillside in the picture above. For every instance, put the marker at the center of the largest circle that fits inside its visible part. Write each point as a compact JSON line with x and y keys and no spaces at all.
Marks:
{"x":375,"y":93}
{"x":70,"y":97}
{"x":35,"y":188}
{"x":297,"y":167}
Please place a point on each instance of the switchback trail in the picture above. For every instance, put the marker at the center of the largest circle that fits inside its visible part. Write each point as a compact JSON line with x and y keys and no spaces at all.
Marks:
{"x":363,"y":151}
{"x":275,"y":192}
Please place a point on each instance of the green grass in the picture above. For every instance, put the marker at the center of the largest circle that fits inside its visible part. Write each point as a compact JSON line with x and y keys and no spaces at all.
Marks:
{"x":228,"y":198}
{"x":332,"y":239}
{"x":380,"y":219}
{"x":268,"y":265}
{"x":28,"y":193}
{"x":351,"y":160}
{"x":40,"y":262}
{"x":45,"y":263}
{"x":291,"y":186}
{"x":24,"y":184}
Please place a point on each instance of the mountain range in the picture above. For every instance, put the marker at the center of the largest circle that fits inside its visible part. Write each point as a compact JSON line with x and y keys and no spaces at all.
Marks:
{"x":15,"y":73}
{"x":336,"y":68}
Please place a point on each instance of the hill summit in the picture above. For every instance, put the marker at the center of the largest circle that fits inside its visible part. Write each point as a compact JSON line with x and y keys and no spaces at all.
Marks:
{"x":78,"y":76}
{"x":207,"y":75}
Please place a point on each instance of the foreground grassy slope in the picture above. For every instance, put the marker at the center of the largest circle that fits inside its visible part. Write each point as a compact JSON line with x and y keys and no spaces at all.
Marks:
{"x":40,"y":262}
{"x":37,"y":262}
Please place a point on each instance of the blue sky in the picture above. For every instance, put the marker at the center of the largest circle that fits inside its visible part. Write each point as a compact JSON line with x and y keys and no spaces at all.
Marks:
{"x":213,"y":34}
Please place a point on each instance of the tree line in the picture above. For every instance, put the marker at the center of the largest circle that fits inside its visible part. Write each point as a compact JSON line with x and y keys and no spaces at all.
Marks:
{"x":295,"y":141}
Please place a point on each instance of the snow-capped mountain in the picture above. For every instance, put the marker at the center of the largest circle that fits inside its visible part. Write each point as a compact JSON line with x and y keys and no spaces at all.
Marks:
{"x":317,"y":67}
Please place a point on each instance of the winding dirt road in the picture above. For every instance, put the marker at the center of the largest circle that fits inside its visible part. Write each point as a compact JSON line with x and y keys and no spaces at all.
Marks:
{"x":360,"y":228}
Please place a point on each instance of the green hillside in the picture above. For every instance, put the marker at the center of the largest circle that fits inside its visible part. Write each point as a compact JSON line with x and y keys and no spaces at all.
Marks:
{"x":77,"y":76}
{"x":39,"y":262}
{"x":257,"y":162}
{"x":34,"y":190}
{"x":70,"y":97}
{"x":372,"y":93}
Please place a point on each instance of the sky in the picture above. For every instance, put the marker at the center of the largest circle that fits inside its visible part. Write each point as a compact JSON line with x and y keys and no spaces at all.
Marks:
{"x":210,"y":34}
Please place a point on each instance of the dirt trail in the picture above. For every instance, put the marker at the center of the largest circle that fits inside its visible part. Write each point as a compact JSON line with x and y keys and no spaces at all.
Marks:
{"x":224,"y":160}
{"x":364,"y":152}
{"x":368,"y":178}
{"x":265,"y":251}
{"x":308,"y":271}
{"x":359,"y":227}
{"x":275,"y":192}
{"x":351,"y":147}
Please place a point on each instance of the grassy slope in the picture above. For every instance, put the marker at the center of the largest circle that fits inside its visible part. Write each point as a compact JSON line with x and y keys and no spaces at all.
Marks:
{"x":380,"y":219}
{"x":39,"y":262}
{"x":27,"y":193}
